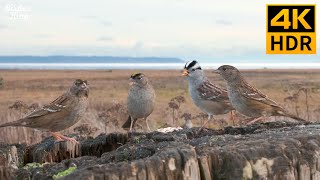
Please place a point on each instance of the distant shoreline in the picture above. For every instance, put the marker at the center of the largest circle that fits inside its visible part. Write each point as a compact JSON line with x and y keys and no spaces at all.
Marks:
{"x":159,"y":66}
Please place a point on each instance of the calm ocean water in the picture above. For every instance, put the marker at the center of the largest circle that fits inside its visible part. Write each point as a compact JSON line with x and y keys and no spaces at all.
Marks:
{"x":161,"y":66}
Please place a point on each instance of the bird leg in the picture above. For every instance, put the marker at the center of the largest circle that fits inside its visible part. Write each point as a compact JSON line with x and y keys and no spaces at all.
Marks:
{"x":255,"y":120}
{"x":58,"y":137}
{"x":131,"y":124}
{"x":232,"y":117}
{"x":206,"y":122}
{"x":147,"y":124}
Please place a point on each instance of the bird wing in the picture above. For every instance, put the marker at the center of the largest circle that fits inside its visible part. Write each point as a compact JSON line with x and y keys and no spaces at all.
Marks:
{"x":55,"y":106}
{"x":253,"y":93}
{"x":211,"y":92}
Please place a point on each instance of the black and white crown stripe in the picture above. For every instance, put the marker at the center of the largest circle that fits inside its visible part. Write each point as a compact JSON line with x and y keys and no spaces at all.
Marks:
{"x":192,"y":65}
{"x":135,"y":75}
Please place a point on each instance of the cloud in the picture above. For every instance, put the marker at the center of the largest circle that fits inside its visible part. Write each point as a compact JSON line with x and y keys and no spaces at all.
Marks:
{"x":42,"y":36}
{"x":201,"y":31}
{"x":88,"y":17}
{"x":223,"y":22}
{"x":138,"y":45}
{"x":104,"y":38}
{"x":2,"y":26}
{"x":97,"y":19}
{"x":106,"y":23}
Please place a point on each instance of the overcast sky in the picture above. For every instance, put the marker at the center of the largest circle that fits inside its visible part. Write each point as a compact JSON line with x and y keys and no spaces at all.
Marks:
{"x":187,"y":29}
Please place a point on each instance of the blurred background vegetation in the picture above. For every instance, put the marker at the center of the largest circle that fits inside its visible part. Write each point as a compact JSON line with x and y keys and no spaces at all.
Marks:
{"x":26,"y":90}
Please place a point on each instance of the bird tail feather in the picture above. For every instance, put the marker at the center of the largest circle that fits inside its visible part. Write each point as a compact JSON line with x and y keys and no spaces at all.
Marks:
{"x":14,"y":123}
{"x":292,"y":116}
{"x":296,"y":118}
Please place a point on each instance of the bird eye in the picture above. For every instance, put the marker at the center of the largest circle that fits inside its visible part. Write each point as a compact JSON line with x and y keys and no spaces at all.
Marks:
{"x":193,"y":70}
{"x":224,"y":69}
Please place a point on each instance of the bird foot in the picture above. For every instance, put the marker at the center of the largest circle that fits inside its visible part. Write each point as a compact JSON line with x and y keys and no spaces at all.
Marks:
{"x":69,"y":139}
{"x":59,"y":138}
{"x":255,"y":120}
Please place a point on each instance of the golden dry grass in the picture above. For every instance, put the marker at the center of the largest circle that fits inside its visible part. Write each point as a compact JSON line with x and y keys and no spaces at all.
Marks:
{"x":110,"y":88}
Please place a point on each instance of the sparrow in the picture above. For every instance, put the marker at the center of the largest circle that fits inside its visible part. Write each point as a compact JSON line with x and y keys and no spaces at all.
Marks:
{"x":60,"y":114}
{"x":247,"y":99}
{"x":141,"y":99}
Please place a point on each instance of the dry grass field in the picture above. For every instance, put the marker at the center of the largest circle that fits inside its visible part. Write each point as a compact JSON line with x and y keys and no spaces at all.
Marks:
{"x":24,"y":90}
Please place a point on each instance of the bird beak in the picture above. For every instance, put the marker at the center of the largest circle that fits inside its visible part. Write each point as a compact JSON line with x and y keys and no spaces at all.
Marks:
{"x":185,"y":73}
{"x":131,"y":82}
{"x":216,"y":71}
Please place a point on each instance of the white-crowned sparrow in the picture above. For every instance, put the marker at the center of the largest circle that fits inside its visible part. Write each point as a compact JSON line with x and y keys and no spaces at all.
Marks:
{"x":141,"y":100}
{"x":249,"y":100}
{"x":60,"y":114}
{"x":206,"y":95}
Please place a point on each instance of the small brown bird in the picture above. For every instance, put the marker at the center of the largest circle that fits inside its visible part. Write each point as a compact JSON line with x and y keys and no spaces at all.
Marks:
{"x":249,"y":100}
{"x":141,"y":99}
{"x":60,"y":114}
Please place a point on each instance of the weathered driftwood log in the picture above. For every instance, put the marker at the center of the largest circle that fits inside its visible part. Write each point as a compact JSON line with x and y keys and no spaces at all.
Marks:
{"x":103,"y":143}
{"x":50,"y":151}
{"x":11,"y":157}
{"x":263,"y":151}
{"x":169,"y":163}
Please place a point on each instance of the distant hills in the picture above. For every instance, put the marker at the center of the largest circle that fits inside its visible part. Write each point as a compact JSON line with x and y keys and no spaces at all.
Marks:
{"x":86,"y":59}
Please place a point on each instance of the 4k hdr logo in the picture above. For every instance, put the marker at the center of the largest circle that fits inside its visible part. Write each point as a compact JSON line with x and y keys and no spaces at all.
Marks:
{"x":291,"y":29}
